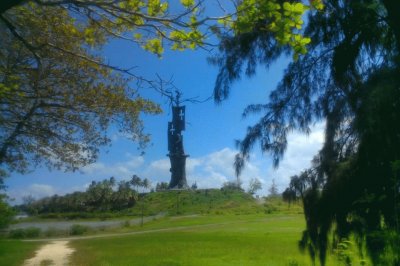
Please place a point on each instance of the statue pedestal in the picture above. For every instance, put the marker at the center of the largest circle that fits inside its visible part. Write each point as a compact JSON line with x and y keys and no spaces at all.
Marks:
{"x":178,"y":171}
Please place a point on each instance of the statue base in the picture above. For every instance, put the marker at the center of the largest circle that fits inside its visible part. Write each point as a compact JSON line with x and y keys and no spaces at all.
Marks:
{"x":178,"y":171}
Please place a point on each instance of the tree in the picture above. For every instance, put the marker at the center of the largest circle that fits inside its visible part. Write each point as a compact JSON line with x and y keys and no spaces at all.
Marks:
{"x":6,"y":211}
{"x":289,"y":196}
{"x":101,"y":193}
{"x":149,"y":23}
{"x":58,"y":95}
{"x":161,"y":186}
{"x":124,"y":197}
{"x":348,"y":78}
{"x":254,"y":186}
{"x":146,"y":184}
{"x":273,"y":189}
{"x":105,"y":195}
{"x":55,"y":106}
{"x":136,"y":182}
{"x":231,"y":186}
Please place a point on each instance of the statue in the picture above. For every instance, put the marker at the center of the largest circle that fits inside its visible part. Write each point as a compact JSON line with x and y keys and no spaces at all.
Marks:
{"x":176,"y":153}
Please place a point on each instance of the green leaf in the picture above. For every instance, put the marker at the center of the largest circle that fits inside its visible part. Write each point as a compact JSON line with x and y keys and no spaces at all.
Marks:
{"x":187,"y":3}
{"x":154,"y":46}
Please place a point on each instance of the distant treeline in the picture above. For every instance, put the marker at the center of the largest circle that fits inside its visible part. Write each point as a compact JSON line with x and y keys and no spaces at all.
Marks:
{"x":102,"y":196}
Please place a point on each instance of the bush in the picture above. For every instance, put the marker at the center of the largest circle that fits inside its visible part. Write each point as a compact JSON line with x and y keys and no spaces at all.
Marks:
{"x":127,"y":223}
{"x":270,"y":207}
{"x":78,"y":229}
{"x":17,"y":233}
{"x":30,"y":232}
{"x":53,"y":232}
{"x":6,"y":212}
{"x":292,"y":262}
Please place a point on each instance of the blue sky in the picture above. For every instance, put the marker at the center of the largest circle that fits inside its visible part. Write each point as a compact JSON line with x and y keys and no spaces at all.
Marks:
{"x":209,"y":137}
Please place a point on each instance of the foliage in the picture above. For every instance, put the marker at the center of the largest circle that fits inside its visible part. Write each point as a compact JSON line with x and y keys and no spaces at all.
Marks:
{"x":6,"y":211}
{"x":280,"y":19}
{"x":161,"y":186}
{"x":147,"y":23}
{"x":273,"y":189}
{"x":104,"y":199}
{"x":254,"y":186}
{"x":349,"y":79}
{"x":276,"y":205}
{"x":102,"y":196}
{"x":289,"y":196}
{"x":20,"y":233}
{"x":347,"y":253}
{"x":200,"y":201}
{"x":57,"y":97}
{"x":261,"y":32}
{"x":308,"y":179}
{"x":78,"y":229}
{"x":227,"y":186}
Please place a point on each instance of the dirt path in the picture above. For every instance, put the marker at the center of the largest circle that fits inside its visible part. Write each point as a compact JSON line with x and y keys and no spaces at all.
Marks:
{"x":54,"y":253}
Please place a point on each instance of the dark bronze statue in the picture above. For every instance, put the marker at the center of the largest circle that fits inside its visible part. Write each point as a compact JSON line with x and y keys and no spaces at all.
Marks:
{"x":176,"y":153}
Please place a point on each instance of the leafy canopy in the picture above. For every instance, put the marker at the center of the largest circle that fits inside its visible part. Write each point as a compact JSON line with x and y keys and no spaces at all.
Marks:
{"x":282,"y":19}
{"x":349,"y":79}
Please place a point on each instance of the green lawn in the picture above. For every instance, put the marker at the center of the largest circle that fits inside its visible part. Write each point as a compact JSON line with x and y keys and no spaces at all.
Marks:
{"x":203,"y":240}
{"x":14,"y":252}
{"x":230,"y":240}
{"x":216,"y":228}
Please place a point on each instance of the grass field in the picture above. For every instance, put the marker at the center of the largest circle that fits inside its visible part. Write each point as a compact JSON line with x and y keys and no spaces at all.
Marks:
{"x":14,"y":252}
{"x":214,"y":228}
{"x":256,"y":239}
{"x":213,"y":240}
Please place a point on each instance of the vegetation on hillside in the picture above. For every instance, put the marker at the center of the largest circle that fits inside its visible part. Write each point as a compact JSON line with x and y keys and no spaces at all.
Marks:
{"x":108,"y":199}
{"x":102,"y":196}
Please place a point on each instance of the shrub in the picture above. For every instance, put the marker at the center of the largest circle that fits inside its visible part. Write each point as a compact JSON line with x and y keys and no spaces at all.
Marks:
{"x":292,"y":262}
{"x":127,"y":223}
{"x":78,"y":229}
{"x":17,"y":233}
{"x":53,"y":232}
{"x":30,"y":232}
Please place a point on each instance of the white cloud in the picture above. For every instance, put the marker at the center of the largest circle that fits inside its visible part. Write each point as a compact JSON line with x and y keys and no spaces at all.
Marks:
{"x":120,"y":170}
{"x":41,"y":190}
{"x":216,"y":168}
{"x":37,"y":191}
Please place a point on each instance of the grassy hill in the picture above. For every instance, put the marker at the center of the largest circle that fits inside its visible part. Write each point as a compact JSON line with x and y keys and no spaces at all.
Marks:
{"x":187,"y":202}
{"x":209,"y":201}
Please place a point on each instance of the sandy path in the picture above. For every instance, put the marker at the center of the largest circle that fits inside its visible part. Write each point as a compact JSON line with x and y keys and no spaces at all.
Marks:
{"x":53,"y":253}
